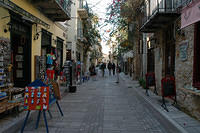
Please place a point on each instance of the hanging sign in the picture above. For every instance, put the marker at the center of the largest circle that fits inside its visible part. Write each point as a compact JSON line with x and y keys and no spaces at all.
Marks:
{"x":190,"y":14}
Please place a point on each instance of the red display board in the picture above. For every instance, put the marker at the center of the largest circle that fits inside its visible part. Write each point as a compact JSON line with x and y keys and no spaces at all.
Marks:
{"x":36,"y":98}
{"x":168,"y":86}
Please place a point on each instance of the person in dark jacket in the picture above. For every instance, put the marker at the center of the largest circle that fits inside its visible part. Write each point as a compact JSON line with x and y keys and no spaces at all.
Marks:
{"x":102,"y":67}
{"x":113,"y":68}
{"x":109,"y":67}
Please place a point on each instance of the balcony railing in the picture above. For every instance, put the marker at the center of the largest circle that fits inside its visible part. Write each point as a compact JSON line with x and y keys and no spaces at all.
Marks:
{"x":158,"y":11}
{"x":83,"y":10}
{"x":182,"y":3}
{"x":56,"y":10}
{"x":79,"y":33}
{"x":65,"y":5}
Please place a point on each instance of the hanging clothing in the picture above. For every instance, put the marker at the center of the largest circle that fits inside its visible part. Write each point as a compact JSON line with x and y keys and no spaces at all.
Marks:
{"x":49,"y":59}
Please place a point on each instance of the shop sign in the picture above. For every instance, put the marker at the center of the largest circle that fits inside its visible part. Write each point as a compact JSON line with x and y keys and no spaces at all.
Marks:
{"x":183,"y":51}
{"x":190,"y":14}
{"x":36,"y":98}
{"x":26,"y":15}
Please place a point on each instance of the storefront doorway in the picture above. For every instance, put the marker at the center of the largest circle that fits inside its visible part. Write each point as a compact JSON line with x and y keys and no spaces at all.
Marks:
{"x":169,"y":52}
{"x":21,"y":51}
{"x":150,"y":60}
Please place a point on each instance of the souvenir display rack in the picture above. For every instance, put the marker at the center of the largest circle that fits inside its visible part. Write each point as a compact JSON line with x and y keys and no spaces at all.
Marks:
{"x":10,"y":97}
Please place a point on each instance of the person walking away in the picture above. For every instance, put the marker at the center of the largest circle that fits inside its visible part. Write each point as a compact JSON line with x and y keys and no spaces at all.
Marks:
{"x":113,"y":68}
{"x":109,"y":67}
{"x":92,"y":71}
{"x":102,"y":67}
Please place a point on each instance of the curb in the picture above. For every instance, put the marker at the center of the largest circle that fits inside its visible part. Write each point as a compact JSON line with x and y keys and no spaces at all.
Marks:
{"x":156,"y":109}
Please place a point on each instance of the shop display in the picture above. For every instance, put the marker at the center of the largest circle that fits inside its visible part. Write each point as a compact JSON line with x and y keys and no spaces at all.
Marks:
{"x":36,"y":97}
{"x":10,"y":96}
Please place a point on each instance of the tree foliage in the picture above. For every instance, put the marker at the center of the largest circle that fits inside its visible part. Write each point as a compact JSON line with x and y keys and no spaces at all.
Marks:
{"x":91,"y":32}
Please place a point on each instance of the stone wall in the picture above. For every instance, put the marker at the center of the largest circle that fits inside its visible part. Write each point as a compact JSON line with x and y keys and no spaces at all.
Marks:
{"x":184,"y":72}
{"x":184,"y":67}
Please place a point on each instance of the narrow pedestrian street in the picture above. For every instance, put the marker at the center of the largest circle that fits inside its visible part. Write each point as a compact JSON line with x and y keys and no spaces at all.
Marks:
{"x":104,"y":106}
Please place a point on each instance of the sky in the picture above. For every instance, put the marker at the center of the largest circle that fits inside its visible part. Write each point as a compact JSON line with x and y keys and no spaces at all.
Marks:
{"x":99,"y":8}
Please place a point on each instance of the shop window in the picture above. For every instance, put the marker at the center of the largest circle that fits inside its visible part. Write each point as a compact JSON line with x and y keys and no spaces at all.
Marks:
{"x":196,"y":72}
{"x":46,"y":38}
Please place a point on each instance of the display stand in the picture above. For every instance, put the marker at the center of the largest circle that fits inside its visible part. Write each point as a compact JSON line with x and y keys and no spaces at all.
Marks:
{"x":168,"y":90}
{"x":39,"y":96}
{"x":36,"y":97}
{"x":150,"y":81}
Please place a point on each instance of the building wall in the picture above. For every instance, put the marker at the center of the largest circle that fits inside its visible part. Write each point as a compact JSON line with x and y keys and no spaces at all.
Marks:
{"x":72,"y":30}
{"x":36,"y":44}
{"x":159,"y":59}
{"x":3,"y":22}
{"x":184,"y":74}
{"x":144,"y":60}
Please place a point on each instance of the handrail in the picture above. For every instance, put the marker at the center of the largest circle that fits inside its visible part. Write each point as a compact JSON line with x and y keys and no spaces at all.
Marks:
{"x":65,"y":5}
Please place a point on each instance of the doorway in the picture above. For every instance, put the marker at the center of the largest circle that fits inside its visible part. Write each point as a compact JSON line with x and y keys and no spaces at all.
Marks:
{"x":21,"y":51}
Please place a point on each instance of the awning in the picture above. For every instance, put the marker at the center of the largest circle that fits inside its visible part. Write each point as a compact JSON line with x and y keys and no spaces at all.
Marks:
{"x":190,"y":14}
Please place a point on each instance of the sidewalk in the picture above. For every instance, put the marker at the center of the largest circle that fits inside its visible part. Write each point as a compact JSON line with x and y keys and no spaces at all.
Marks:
{"x":183,"y":122}
{"x":13,"y":122}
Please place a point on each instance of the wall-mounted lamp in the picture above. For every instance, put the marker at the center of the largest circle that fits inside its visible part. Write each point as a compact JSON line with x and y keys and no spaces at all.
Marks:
{"x":8,"y":27}
{"x":36,"y":36}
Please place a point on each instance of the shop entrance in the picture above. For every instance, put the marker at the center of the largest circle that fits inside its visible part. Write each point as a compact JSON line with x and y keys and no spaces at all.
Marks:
{"x":150,"y":60}
{"x":21,"y":52}
{"x":169,"y":52}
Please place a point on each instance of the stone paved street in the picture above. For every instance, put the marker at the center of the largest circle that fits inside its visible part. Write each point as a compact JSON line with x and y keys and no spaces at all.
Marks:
{"x":103,"y":106}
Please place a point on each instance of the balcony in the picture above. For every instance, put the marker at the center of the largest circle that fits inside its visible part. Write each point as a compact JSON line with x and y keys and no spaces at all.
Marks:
{"x":82,"y":11}
{"x":56,"y":10}
{"x":182,"y":3}
{"x":157,"y":14}
{"x":80,"y":36}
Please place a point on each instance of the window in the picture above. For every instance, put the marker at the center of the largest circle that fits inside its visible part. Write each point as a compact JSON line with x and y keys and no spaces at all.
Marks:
{"x":46,"y":38}
{"x":196,"y":72}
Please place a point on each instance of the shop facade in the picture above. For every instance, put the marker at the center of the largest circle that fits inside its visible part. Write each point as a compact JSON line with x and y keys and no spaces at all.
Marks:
{"x":173,"y":50}
{"x":28,"y":34}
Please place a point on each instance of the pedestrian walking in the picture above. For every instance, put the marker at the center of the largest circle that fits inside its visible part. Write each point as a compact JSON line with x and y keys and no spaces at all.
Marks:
{"x":92,"y":72}
{"x":113,"y":68}
{"x":102,"y":67}
{"x":109,"y":67}
{"x":118,"y":71}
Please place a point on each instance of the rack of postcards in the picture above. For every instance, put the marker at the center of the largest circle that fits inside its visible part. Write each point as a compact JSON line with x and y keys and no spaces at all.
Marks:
{"x":66,"y":72}
{"x":10,"y":96}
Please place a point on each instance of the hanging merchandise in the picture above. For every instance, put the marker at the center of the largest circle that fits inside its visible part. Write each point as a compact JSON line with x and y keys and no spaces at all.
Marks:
{"x":49,"y":59}
{"x":10,"y":96}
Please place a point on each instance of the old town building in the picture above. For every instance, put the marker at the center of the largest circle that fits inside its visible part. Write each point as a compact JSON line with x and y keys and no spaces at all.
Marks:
{"x":170,"y":38}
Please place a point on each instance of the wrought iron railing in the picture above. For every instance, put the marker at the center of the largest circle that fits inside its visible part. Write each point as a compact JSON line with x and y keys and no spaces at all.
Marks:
{"x":79,"y":33}
{"x":65,"y":5}
{"x":151,"y":7}
{"x":182,"y":3}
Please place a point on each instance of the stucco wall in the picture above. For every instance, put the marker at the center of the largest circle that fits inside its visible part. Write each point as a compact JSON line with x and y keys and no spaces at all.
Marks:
{"x":36,"y":44}
{"x":5,"y":18}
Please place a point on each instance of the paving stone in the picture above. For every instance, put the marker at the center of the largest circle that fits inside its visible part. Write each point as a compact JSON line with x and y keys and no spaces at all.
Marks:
{"x":103,"y":106}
